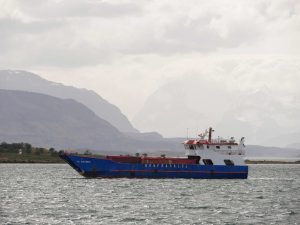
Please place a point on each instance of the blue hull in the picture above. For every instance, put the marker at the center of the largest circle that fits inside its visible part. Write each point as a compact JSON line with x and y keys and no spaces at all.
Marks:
{"x":93,"y":167}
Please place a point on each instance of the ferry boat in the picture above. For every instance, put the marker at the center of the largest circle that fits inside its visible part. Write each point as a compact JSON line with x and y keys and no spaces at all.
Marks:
{"x":205,"y":158}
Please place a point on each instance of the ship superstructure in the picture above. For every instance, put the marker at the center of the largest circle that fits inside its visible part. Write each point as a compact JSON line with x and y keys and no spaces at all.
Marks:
{"x":218,"y":151}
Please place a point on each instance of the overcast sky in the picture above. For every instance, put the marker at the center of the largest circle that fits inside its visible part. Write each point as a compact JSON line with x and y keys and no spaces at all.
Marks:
{"x":126,"y":50}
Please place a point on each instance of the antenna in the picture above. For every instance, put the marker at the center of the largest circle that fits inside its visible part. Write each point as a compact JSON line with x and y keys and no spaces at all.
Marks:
{"x":187,"y":133}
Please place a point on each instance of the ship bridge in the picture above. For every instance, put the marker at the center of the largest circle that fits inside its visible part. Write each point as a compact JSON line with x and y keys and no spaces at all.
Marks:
{"x":219,"y":145}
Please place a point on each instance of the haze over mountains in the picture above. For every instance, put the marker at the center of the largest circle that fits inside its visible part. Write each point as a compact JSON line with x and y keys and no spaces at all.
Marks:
{"x":264,"y":116}
{"x":65,"y":121}
{"x":26,"y":81}
{"x":48,"y":121}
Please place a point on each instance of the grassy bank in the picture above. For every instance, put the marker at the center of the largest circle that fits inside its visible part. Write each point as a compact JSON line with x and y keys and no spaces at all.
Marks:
{"x":25,"y":153}
{"x":29,"y":158}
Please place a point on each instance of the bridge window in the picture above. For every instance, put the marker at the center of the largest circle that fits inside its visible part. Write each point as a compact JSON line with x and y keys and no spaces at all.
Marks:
{"x":229,"y":147}
{"x":208,"y":162}
{"x":217,"y":147}
{"x":228,"y":162}
{"x":191,"y":147}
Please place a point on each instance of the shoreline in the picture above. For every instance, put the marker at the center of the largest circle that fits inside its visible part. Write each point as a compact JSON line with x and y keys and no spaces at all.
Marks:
{"x":248,"y":162}
{"x":30,"y":162}
{"x":271,"y":162}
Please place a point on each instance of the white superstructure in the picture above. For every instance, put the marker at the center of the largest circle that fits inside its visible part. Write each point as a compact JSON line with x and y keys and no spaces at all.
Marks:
{"x":208,"y":151}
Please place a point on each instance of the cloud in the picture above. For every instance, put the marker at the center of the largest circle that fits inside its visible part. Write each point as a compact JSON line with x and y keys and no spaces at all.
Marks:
{"x":208,"y":31}
{"x":126,"y":50}
{"x":68,"y":9}
{"x":46,"y":43}
{"x":74,"y":33}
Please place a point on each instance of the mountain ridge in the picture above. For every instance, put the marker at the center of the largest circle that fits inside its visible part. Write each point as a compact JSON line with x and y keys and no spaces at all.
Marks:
{"x":51,"y":122}
{"x":27,"y":81}
{"x":47,"y":121}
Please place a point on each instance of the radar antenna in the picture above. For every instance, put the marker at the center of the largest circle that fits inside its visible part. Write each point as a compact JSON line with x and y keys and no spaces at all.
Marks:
{"x":203,"y":135}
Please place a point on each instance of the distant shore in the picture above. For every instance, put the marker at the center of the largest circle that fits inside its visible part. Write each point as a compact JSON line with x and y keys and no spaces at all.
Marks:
{"x":270,"y":162}
{"x":57,"y":160}
{"x":26,"y":153}
{"x":30,"y":158}
{"x":31,"y":161}
{"x":37,"y":160}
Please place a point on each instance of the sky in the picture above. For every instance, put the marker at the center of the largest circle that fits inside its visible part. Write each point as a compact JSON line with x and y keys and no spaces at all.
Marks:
{"x":128,"y":51}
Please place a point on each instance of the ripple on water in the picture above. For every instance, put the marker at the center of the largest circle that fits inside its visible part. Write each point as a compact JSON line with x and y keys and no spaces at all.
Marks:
{"x":55,"y":194}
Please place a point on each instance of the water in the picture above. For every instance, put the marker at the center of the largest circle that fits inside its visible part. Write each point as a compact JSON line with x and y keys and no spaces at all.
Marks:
{"x":56,"y":194}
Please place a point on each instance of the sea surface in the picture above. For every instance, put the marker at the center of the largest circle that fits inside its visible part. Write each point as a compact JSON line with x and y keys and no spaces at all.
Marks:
{"x":56,"y":194}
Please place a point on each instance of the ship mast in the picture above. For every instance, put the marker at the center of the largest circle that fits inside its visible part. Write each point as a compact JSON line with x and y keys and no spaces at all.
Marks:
{"x":210,"y":134}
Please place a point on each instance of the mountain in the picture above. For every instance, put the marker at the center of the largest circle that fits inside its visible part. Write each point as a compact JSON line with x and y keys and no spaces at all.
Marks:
{"x":294,"y":145}
{"x":271,"y":152}
{"x":192,"y":104}
{"x":47,"y":121}
{"x":52,"y":122}
{"x":26,"y":81}
{"x":181,"y":104}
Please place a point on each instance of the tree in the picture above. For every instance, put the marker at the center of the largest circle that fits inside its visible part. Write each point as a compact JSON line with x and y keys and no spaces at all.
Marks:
{"x":61,"y":152}
{"x":52,"y":152}
{"x":27,"y":148}
{"x":87,"y":152}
